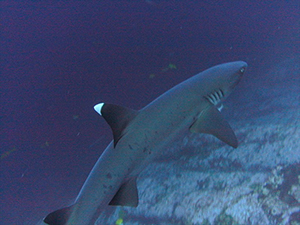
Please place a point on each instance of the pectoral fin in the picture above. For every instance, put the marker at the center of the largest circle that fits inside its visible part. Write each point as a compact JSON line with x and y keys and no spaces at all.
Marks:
{"x":127,"y":195}
{"x":211,"y":121}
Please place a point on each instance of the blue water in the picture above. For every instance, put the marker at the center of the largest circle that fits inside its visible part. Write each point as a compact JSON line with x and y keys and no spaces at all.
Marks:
{"x":59,"y":59}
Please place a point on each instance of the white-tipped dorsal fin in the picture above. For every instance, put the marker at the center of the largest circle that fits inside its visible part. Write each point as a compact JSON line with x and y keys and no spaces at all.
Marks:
{"x":98,"y":108}
{"x":118,"y":118}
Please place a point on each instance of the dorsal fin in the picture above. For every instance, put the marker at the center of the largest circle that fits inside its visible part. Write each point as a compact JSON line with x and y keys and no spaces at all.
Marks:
{"x":117,"y":117}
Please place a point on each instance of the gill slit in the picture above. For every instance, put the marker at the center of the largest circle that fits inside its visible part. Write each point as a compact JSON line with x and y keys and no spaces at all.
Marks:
{"x":215,"y":97}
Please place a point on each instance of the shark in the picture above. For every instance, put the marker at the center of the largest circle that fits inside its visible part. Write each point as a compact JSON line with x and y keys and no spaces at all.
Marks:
{"x":139,"y":136}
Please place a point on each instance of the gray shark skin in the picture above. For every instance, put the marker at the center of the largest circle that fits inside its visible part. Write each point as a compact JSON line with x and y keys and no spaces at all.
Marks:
{"x":139,"y":136}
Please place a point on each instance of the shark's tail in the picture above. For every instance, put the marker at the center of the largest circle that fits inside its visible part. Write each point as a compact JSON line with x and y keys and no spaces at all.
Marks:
{"x":59,"y":217}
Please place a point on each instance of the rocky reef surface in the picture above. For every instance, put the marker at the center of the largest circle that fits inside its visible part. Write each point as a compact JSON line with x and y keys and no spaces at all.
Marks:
{"x":201,"y":181}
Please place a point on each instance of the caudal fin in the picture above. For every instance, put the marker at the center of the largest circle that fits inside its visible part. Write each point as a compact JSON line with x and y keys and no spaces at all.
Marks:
{"x":59,"y":217}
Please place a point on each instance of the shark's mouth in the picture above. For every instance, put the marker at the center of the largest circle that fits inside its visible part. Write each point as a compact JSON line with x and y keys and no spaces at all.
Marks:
{"x":215,"y":97}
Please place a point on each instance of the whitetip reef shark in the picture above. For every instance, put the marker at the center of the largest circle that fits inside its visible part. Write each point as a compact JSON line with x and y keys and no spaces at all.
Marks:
{"x":140,"y":136}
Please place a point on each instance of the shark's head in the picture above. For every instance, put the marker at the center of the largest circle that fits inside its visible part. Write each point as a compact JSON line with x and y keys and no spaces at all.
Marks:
{"x":221,"y":80}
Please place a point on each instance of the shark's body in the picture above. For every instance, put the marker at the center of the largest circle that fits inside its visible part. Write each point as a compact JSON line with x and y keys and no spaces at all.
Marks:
{"x":139,"y":136}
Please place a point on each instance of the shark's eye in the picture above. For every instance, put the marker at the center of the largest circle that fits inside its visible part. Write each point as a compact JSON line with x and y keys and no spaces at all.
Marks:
{"x":242,"y":70}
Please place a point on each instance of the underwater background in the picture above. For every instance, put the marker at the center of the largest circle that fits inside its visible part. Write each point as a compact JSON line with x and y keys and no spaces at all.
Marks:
{"x":59,"y":59}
